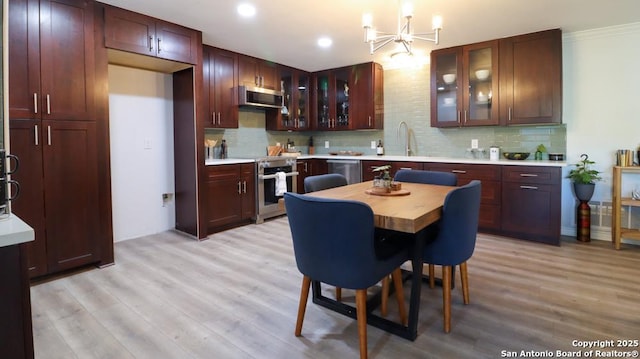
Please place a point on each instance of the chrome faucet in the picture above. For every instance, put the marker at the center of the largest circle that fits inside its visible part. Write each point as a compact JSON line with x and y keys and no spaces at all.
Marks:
{"x":407,"y":148}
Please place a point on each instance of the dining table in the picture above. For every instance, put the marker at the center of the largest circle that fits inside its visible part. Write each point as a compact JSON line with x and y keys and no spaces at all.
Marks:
{"x":410,"y":210}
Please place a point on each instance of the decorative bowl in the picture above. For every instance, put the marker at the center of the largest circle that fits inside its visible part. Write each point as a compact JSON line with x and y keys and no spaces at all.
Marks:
{"x":483,"y":74}
{"x":516,"y":155}
{"x":449,"y":78}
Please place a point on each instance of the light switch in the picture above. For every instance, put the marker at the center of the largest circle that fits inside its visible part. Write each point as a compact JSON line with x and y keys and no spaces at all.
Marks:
{"x":474,"y":143}
{"x":373,"y":145}
{"x":147,"y":144}
{"x":326,"y":144}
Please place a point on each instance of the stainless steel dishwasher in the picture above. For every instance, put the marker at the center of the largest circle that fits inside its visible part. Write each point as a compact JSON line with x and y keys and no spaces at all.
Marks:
{"x":348,"y":168}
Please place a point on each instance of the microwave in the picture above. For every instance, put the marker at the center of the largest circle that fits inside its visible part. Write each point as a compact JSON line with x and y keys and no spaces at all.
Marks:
{"x":259,"y":97}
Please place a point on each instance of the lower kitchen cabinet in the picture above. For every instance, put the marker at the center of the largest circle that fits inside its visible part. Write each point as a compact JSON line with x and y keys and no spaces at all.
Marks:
{"x":369,"y":165}
{"x":310,"y":167}
{"x":231,"y":195}
{"x":489,"y":175}
{"x":59,"y":195}
{"x":531,"y":203}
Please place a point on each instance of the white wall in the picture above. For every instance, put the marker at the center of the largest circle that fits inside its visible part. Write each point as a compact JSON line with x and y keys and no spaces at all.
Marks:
{"x":141,"y":130}
{"x":601,"y":73}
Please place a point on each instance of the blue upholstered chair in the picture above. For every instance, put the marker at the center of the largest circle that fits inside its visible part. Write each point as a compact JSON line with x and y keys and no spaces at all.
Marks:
{"x":455,"y":241}
{"x":325,"y":181}
{"x":428,"y":177}
{"x":334,"y":243}
{"x":320,"y":182}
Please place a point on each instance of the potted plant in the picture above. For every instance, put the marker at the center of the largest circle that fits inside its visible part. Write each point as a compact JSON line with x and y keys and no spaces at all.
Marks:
{"x":584,"y":178}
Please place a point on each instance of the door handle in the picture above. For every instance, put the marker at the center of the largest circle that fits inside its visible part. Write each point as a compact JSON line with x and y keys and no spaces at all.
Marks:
{"x":49,"y":135}
{"x":35,"y":102}
{"x":244,"y":186}
{"x":159,"y":49}
{"x":48,"y":104}
{"x":458,"y":171}
{"x":150,"y":43}
{"x":239,"y":188}
{"x":35,"y":134}
{"x":529,"y":187}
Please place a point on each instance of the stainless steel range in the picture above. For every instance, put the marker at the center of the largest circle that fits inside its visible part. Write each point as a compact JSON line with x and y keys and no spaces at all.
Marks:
{"x":267,"y":169}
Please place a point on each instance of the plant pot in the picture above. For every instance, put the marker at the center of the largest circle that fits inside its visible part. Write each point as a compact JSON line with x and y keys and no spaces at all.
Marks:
{"x":583,"y":191}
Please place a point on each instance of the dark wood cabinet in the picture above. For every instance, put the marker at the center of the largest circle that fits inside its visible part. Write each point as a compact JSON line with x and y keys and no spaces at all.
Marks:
{"x":59,"y":179}
{"x":310,"y":167}
{"x":349,"y":98}
{"x":231,"y":193}
{"x":368,"y":166}
{"x":367,"y":96}
{"x":531,"y":78}
{"x":220,"y":68}
{"x":53,"y":130}
{"x":464,"y":80}
{"x":296,"y":88}
{"x":51,"y":59}
{"x":531,"y":203}
{"x":132,"y":32}
{"x":256,"y":72}
{"x":16,"y":334}
{"x":491,"y":197}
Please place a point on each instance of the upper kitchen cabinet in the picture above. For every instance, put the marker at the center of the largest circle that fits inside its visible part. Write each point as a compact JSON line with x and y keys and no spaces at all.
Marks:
{"x":220,"y":68}
{"x":367,"y":96}
{"x":296,"y":88}
{"x":531,"y":78}
{"x":51,"y":59}
{"x":332,"y":99}
{"x":132,"y":32}
{"x":256,"y":72}
{"x":464,"y":81}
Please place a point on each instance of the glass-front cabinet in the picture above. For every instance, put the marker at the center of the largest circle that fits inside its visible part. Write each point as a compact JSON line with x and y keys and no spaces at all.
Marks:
{"x":332,"y":99}
{"x":464,"y":85}
{"x":294,"y":114}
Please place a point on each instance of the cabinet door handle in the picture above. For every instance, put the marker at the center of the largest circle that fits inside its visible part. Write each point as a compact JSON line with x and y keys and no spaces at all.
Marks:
{"x":239,"y":187}
{"x":256,"y":80}
{"x":529,"y":187}
{"x":159,"y":49}
{"x":35,"y":134}
{"x":528,"y":175}
{"x":213,"y":118}
{"x":35,"y":102}
{"x":509,"y":114}
{"x":219,"y":121}
{"x":150,"y":43}
{"x":244,"y":186}
{"x":305,"y":167}
{"x":369,"y":121}
{"x":48,"y":104}
{"x":49,"y":135}
{"x":458,"y":116}
{"x":458,"y":171}
{"x":465,"y":116}
{"x":406,"y":168}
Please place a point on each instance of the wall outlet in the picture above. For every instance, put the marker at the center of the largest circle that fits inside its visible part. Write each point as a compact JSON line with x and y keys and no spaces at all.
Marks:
{"x":326,"y":144}
{"x":146,"y":143}
{"x":474,"y":143}
{"x":373,"y":145}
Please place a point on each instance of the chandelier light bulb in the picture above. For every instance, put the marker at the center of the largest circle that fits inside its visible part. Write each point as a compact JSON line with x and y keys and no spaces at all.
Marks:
{"x":367,"y":20}
{"x":407,"y":9}
{"x":436,"y":22}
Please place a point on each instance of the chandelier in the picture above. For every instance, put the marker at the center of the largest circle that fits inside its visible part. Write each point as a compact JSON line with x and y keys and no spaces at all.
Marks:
{"x":405,"y":36}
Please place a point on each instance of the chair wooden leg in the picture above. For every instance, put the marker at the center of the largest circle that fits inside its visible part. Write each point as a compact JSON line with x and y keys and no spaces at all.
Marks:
{"x":432,"y":276}
{"x":338,"y":294}
{"x":302,"y":306}
{"x":361,"y":314}
{"x":465,"y":282}
{"x":446,"y":297}
{"x":384,"y":301}
{"x":397,"y":281}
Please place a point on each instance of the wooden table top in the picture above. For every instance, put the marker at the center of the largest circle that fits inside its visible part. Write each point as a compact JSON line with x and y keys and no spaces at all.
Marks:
{"x":409,"y":213}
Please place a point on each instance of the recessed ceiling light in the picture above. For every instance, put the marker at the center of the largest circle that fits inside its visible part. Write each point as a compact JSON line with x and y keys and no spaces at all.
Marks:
{"x":246,"y":10}
{"x":325,"y":42}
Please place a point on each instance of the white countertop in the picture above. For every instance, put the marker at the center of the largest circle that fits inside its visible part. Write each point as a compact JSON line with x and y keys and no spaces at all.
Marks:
{"x":14,"y":231}
{"x":503,"y":162}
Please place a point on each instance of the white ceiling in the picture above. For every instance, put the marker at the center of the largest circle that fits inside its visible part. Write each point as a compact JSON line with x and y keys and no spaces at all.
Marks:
{"x":286,"y":31}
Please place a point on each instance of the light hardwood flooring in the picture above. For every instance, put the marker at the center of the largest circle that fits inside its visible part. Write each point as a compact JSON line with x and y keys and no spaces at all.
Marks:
{"x":235,"y":295}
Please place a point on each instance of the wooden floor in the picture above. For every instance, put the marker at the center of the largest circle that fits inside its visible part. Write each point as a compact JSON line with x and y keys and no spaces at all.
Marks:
{"x":235,"y":295}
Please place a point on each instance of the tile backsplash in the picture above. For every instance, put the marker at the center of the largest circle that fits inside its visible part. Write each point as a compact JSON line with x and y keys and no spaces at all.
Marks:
{"x":406,"y":99}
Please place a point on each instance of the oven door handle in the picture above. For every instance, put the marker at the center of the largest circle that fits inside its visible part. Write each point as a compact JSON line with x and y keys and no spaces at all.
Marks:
{"x":273,"y":176}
